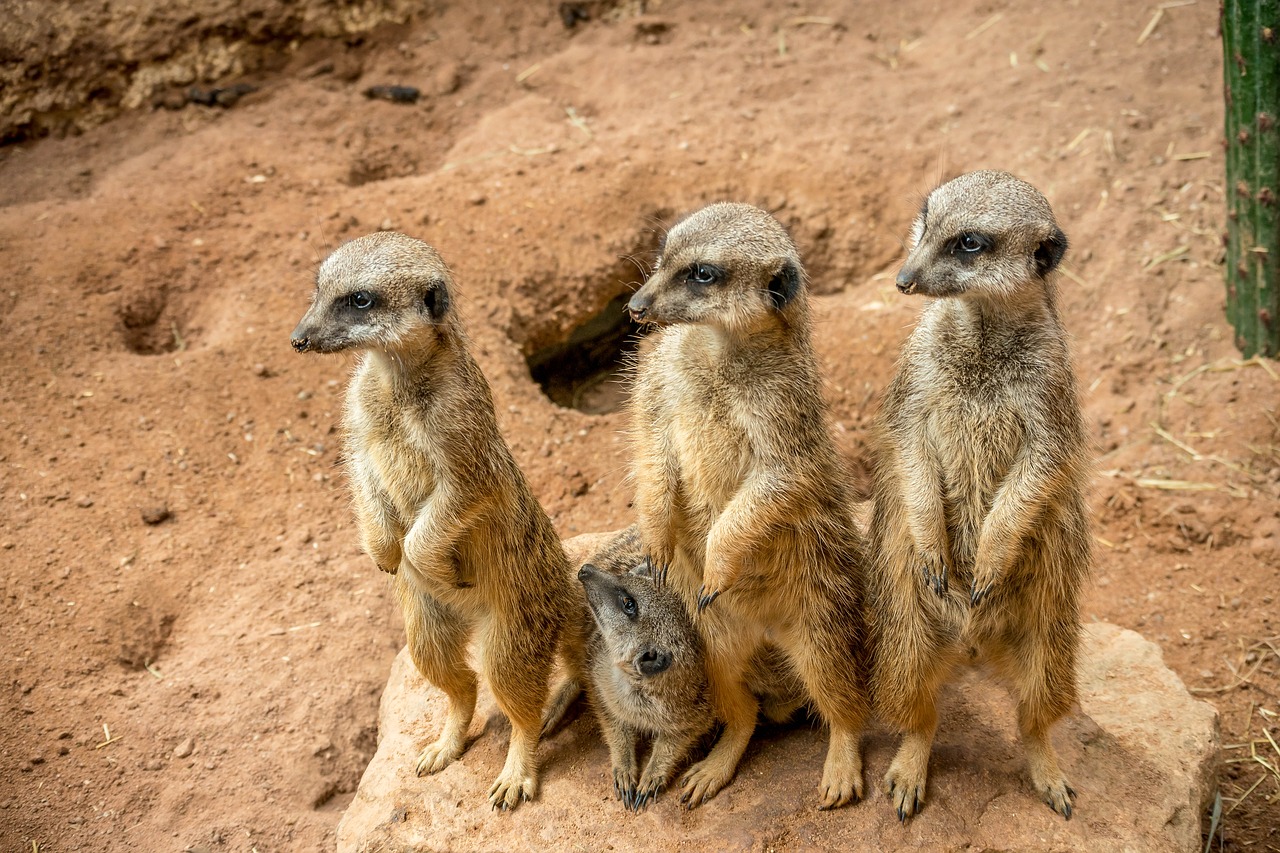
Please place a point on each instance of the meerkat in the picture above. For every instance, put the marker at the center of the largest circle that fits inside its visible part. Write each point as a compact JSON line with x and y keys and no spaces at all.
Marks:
{"x":741,"y":500}
{"x":979,"y":534}
{"x":646,"y":673}
{"x":439,"y":500}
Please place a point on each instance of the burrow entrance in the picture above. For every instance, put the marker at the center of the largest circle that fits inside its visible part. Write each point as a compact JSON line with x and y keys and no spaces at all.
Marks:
{"x":586,"y":371}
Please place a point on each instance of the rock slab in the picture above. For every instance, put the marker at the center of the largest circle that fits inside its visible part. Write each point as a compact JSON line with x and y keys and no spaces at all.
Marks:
{"x":1141,"y":753}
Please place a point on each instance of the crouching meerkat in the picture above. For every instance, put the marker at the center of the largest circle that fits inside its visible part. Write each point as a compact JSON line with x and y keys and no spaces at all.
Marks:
{"x":979,"y":536}
{"x":741,"y":499}
{"x":439,"y":500}
{"x":646,"y":671}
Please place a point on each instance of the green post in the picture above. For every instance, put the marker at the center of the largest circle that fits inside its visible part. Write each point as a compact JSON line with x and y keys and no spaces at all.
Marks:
{"x":1251,"y":71}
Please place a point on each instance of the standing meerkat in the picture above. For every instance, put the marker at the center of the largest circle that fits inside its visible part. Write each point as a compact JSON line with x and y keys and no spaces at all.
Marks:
{"x":439,"y":500}
{"x":740,"y":496}
{"x":979,"y":534}
{"x":645,"y":669}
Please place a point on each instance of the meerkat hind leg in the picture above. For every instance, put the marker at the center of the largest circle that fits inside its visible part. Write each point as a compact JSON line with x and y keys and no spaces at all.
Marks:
{"x":519,"y":684}
{"x":438,"y":645}
{"x":738,"y":707}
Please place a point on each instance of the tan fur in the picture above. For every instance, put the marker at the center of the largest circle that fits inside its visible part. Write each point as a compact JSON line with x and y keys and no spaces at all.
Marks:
{"x":738,"y":487}
{"x":646,"y":671}
{"x":438,"y":498}
{"x":979,"y":535}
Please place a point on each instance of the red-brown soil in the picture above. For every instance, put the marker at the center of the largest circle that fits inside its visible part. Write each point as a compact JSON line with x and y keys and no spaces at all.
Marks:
{"x":210,"y":681}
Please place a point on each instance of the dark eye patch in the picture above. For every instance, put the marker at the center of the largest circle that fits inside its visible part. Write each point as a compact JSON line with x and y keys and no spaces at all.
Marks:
{"x":969,"y":245}
{"x":704,"y":274}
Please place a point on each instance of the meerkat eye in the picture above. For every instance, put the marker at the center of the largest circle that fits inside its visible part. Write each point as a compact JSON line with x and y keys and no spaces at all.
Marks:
{"x":704,"y":274}
{"x":627,"y":605}
{"x":361,"y":300}
{"x":971,"y":243}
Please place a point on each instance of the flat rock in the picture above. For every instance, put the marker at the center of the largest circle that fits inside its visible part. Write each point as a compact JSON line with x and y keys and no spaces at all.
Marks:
{"x":1140,"y":752}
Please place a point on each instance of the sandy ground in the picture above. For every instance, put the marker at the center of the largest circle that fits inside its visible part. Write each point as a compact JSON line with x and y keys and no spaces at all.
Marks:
{"x":193,"y":644}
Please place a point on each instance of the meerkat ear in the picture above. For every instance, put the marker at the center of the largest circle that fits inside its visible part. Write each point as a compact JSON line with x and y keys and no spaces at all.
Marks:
{"x":436,"y":301}
{"x":1050,"y":252}
{"x":784,"y":285}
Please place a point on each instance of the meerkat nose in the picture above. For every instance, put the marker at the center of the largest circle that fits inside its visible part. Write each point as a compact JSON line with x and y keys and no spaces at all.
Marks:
{"x":301,"y":344}
{"x":906,"y":280}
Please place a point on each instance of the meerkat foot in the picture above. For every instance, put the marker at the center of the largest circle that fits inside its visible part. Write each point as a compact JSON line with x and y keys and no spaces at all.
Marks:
{"x":440,"y":754}
{"x":841,"y":773}
{"x":905,"y":781}
{"x":704,"y":780}
{"x":514,"y":785}
{"x":1047,"y":778}
{"x":1059,"y":796}
{"x":980,"y":590}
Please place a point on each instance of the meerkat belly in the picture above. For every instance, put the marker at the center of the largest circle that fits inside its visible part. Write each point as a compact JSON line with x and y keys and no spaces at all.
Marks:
{"x":976,"y":444}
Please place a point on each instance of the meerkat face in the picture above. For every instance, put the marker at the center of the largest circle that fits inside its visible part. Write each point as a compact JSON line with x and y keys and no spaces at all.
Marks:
{"x":728,"y":265}
{"x":984,"y":234}
{"x":642,"y":629}
{"x":382,"y":291}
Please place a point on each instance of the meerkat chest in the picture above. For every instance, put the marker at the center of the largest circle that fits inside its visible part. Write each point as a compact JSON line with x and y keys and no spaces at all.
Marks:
{"x":976,"y":439}
{"x":390,"y":450}
{"x":713,"y":451}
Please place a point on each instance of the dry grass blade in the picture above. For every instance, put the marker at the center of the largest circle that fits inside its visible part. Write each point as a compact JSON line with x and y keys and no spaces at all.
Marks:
{"x":1172,"y":254}
{"x":814,"y":20}
{"x":1077,"y":279}
{"x":1246,"y":794}
{"x":1151,"y":25}
{"x":985,"y":25}
{"x":1175,"y":485}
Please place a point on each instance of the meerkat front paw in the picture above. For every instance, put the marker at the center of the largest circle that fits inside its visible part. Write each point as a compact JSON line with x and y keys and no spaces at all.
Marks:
{"x":624,"y":785}
{"x":705,"y":597}
{"x":980,"y":589}
{"x":935,"y":574}
{"x":647,"y":791}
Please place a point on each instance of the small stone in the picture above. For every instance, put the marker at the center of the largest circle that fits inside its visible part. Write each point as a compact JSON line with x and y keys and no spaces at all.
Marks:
{"x":185,"y":748}
{"x":156,"y":515}
{"x":321,"y":746}
{"x":448,"y":78}
{"x":261,"y":370}
{"x":37,"y":759}
{"x":64,"y":750}
{"x":153,"y":764}
{"x":476,"y":199}
{"x":84,"y":501}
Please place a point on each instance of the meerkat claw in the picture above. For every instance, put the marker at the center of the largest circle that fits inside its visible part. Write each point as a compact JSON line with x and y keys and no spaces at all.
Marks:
{"x":705,"y":598}
{"x":977,"y":594}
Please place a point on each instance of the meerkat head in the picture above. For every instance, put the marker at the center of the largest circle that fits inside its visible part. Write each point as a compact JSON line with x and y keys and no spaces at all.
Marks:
{"x":728,"y":265}
{"x":384,"y":291}
{"x":983,"y":234}
{"x":646,"y":630}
